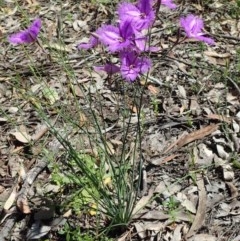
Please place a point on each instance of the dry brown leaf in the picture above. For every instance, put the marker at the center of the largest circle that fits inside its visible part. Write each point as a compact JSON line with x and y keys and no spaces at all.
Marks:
{"x":11,"y":199}
{"x":215,"y":54}
{"x":22,"y":172}
{"x":194,"y":106}
{"x":182,"y":92}
{"x":133,"y":108}
{"x":185,"y":202}
{"x":233,"y":189}
{"x":17,"y":149}
{"x":40,"y":132}
{"x":141,"y":230}
{"x":23,"y":206}
{"x":182,"y":67}
{"x":181,"y":109}
{"x":219,"y":117}
{"x":68,"y":213}
{"x":22,"y":136}
{"x":143,"y":201}
{"x":202,"y":206}
{"x":80,"y":25}
{"x":228,"y":173}
{"x":177,"y":235}
{"x":153,"y":90}
{"x":166,"y":188}
{"x":82,"y":119}
{"x":173,"y":144}
{"x":78,"y":91}
{"x":211,"y":60}
{"x":2,"y":189}
{"x":155,"y":215}
{"x":110,"y":148}
{"x":216,"y":58}
{"x":169,"y":158}
{"x":196,"y":135}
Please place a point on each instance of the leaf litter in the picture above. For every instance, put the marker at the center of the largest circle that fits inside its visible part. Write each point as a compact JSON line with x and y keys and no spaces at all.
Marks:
{"x":190,"y":144}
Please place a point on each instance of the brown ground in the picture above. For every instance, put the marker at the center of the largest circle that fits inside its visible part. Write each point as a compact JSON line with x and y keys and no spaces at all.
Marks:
{"x":190,"y":122}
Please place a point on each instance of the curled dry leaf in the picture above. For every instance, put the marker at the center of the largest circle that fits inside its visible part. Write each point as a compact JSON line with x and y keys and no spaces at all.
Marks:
{"x":202,"y":206}
{"x":22,"y":136}
{"x":11,"y":199}
{"x":196,"y":135}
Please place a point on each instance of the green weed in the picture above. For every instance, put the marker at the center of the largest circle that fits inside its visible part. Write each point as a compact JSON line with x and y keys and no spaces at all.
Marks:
{"x":75,"y":234}
{"x":172,"y":206}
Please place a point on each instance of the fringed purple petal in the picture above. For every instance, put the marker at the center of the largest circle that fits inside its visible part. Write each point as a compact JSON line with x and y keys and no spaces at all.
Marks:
{"x":27,"y":36}
{"x":193,"y":26}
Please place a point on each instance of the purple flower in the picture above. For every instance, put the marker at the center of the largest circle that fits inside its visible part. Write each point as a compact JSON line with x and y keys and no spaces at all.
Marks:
{"x":169,"y":3}
{"x":141,"y":43}
{"x":141,"y":15}
{"x":193,"y":26}
{"x":132,"y":65}
{"x":27,"y":36}
{"x":93,"y":42}
{"x":108,"y":68}
{"x":116,"y":38}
